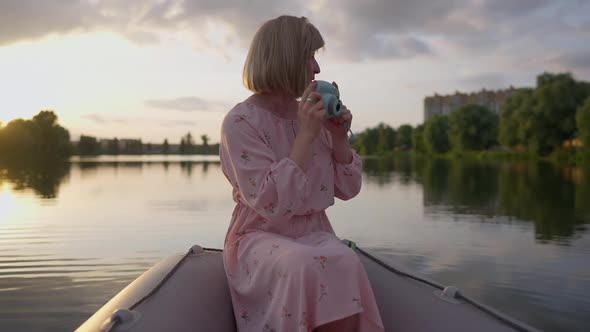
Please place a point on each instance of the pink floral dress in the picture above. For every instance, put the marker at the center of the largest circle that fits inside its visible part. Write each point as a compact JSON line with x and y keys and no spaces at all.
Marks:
{"x":286,"y":269}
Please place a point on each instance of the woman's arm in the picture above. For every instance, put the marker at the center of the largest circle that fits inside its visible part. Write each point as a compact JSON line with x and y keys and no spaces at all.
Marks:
{"x":274,"y":188}
{"x":347,"y":163}
{"x":347,"y":176}
{"x":301,"y":150}
{"x":310,"y":114}
{"x":341,"y":150}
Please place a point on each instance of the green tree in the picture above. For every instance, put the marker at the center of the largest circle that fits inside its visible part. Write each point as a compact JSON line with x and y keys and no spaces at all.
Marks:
{"x":113,"y":146}
{"x":205,"y":140}
{"x":359,"y":143}
{"x":418,"y":139}
{"x":525,"y":118}
{"x":583,"y":124}
{"x":404,"y":137}
{"x":371,"y":141}
{"x":39,"y":138}
{"x":385,"y":138}
{"x":367,"y":142}
{"x":557,"y":98}
{"x":436,"y":132}
{"x":544,"y":117}
{"x":134,"y":146}
{"x":88,"y":145}
{"x":165,"y":147}
{"x":188,"y":143}
{"x":17,"y":140}
{"x":509,"y":122}
{"x":182,"y":147}
{"x":473,"y":127}
{"x":52,"y":140}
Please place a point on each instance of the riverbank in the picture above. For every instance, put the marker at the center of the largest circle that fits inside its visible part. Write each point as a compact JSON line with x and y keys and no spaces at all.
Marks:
{"x":561,"y":158}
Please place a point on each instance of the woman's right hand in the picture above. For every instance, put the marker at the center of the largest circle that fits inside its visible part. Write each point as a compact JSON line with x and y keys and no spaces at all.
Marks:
{"x":311,"y":112}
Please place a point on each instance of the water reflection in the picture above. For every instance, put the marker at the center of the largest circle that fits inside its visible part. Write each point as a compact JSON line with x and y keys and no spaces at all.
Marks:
{"x":537,"y":192}
{"x":582,"y":179}
{"x":505,"y":248}
{"x":555,"y":199}
{"x":384,"y":170}
{"x":186,"y":167}
{"x":43,"y":178}
{"x":462,"y":186}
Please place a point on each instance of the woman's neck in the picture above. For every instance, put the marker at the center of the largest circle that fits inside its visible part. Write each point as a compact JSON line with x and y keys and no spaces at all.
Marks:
{"x":282,"y":105}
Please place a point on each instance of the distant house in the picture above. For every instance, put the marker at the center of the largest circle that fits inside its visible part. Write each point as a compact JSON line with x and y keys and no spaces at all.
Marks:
{"x":445,"y":105}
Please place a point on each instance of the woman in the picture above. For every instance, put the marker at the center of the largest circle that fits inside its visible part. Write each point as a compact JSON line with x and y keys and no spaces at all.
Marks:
{"x":286,"y":268}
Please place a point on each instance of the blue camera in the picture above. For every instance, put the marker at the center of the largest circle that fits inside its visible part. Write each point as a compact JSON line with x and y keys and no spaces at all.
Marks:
{"x":330,"y":98}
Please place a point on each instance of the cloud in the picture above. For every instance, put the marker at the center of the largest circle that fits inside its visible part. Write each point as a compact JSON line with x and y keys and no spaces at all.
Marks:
{"x":483,"y":81}
{"x":469,"y":27}
{"x":502,"y":9}
{"x":178,"y":123}
{"x":101,"y":119}
{"x":187,"y":104}
{"x":575,"y":62}
{"x":96,"y":118}
{"x":141,"y":21}
{"x":355,"y":30}
{"x":110,"y":120}
{"x":31,"y":19}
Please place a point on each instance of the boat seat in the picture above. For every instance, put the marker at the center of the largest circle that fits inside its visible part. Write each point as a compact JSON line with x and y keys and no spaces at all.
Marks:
{"x":196,"y":297}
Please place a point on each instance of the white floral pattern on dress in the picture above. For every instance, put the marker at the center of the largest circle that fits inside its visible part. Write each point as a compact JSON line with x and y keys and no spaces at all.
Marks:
{"x":280,"y":215}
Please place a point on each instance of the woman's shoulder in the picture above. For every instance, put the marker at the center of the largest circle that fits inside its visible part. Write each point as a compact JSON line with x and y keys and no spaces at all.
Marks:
{"x":239,"y":113}
{"x":247,"y":114}
{"x":240,"y":109}
{"x":252,"y":113}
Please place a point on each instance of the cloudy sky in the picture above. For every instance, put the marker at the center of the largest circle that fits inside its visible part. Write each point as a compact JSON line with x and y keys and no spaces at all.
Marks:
{"x":156,"y":69}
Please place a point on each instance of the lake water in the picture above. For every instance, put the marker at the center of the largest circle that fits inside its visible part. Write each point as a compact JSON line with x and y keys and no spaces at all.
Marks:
{"x":511,"y":235}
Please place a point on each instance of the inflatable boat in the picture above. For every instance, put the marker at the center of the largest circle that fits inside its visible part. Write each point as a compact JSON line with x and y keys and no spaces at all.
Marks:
{"x":189,"y":292}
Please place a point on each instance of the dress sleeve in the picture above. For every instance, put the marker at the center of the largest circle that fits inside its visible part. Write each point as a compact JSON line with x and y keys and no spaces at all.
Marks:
{"x":348,"y":177}
{"x":275,"y":189}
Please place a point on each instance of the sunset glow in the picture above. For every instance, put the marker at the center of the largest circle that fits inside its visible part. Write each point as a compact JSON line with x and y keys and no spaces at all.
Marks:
{"x":102,"y":66}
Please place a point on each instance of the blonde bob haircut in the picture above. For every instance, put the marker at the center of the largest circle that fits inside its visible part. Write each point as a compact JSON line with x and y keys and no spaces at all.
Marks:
{"x":279,"y":55}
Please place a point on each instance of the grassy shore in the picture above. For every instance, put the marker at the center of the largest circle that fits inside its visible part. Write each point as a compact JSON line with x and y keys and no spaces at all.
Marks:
{"x":566,"y":157}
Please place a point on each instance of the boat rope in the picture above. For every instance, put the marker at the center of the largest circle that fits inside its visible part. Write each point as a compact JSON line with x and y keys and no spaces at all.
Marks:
{"x":392,"y":269}
{"x":512,"y":323}
{"x":117,"y":318}
{"x":213,"y":249}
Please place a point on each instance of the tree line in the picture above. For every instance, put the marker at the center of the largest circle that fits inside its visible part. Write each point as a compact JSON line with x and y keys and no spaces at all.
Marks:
{"x":42,"y":138}
{"x":539,"y":120}
{"x":89,"y":145}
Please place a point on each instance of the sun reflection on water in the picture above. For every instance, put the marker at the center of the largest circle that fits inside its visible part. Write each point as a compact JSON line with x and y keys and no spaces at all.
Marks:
{"x":7,"y":203}
{"x":15,"y":207}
